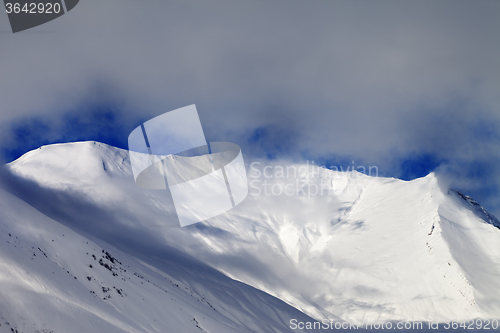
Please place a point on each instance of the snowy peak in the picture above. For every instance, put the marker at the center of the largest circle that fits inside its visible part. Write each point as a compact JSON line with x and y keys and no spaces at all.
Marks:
{"x":479,"y":210}
{"x":62,"y":162}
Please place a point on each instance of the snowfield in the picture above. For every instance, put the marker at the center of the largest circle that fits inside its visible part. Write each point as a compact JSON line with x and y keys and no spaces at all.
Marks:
{"x":83,"y":249}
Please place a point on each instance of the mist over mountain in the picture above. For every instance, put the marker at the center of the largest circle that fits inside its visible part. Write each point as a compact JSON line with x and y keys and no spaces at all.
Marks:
{"x":84,"y":249}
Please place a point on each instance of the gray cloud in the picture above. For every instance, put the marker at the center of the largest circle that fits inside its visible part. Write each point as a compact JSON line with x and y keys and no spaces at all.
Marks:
{"x":380,"y":81}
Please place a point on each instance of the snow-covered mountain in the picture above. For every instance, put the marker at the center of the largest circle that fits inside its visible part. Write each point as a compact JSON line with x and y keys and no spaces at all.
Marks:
{"x":85,"y":249}
{"x":57,"y":275}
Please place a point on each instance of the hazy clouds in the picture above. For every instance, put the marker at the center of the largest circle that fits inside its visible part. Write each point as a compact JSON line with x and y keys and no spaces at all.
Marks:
{"x":378,"y":81}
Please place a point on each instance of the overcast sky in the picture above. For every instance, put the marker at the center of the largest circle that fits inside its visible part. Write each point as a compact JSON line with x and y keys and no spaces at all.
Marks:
{"x":409,"y":86}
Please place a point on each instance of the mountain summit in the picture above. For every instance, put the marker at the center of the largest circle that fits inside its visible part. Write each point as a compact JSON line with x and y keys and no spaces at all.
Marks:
{"x":82,"y":243}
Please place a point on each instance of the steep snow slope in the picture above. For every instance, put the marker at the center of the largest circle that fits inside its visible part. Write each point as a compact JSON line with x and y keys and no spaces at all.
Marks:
{"x":368,"y":249}
{"x":53,"y":279}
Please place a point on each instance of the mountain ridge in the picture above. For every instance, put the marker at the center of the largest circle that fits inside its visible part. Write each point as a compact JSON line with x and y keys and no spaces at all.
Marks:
{"x":373,"y":249}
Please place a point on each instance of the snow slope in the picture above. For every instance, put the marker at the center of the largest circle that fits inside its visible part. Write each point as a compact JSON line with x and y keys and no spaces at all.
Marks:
{"x":53,"y":279}
{"x":368,"y":249}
